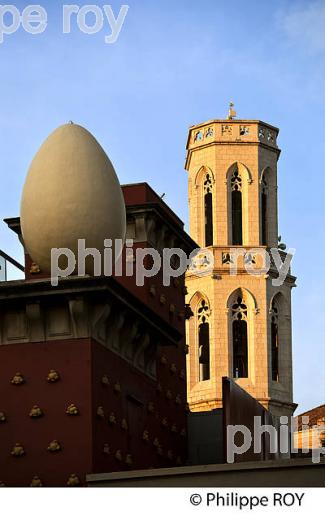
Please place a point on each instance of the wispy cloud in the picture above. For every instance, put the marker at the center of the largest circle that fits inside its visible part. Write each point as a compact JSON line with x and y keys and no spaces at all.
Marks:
{"x":304,"y":25}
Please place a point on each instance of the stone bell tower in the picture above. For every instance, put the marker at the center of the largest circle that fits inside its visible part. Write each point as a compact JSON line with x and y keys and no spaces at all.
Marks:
{"x":241,"y":323}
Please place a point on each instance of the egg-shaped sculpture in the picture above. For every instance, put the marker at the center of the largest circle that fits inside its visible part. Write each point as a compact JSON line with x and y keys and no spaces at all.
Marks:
{"x":71,"y":198}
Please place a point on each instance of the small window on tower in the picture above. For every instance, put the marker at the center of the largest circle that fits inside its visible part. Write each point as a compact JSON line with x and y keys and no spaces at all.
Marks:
{"x":198,"y":136}
{"x":275,"y":342}
{"x":244,"y":130}
{"x":240,"y":338}
{"x":208,"y":211}
{"x":203,"y":341}
{"x":264,"y":211}
{"x":236,"y":209}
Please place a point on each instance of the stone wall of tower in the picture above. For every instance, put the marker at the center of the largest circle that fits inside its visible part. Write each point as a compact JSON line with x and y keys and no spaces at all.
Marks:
{"x":217,"y":148}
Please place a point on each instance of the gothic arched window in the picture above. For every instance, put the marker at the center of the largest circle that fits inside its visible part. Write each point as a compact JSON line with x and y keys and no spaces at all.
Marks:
{"x":208,"y":213}
{"x":240,"y":338}
{"x":203,"y":341}
{"x":264,"y":211}
{"x":236,"y":209}
{"x":275,"y":342}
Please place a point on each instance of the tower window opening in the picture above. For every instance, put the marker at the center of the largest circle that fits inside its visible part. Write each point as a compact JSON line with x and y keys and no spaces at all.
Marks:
{"x":240,"y":338}
{"x":236,"y":209}
{"x":204,"y":342}
{"x":208,"y":214}
{"x":264,"y":211}
{"x":275,"y":342}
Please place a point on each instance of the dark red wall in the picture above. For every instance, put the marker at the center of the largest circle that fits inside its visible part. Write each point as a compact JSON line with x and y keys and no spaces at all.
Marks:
{"x":137,"y":391}
{"x":72,"y":359}
{"x":81,"y":365}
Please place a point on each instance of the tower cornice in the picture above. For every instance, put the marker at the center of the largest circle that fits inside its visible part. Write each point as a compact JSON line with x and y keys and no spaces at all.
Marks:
{"x":229,"y":132}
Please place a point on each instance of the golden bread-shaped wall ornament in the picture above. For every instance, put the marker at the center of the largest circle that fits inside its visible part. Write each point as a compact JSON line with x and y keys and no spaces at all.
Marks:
{"x":112,"y":418}
{"x":129,"y":460}
{"x":18,"y":450}
{"x":3,"y":417}
{"x":163,"y":360}
{"x":118,"y":455}
{"x":105,"y":380}
{"x":73,"y":480}
{"x":124,"y":424}
{"x":182,"y":374}
{"x":35,"y":412}
{"x":34,"y":269}
{"x":145,"y":436}
{"x":54,"y":446}
{"x":36,"y":482}
{"x":100,"y":412}
{"x":53,"y":376}
{"x":18,"y":379}
{"x":72,"y":410}
{"x":173,"y":368}
{"x":117,"y":388}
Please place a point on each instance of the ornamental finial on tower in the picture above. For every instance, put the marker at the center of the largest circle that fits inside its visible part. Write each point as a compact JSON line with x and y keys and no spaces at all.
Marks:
{"x":232,"y":112}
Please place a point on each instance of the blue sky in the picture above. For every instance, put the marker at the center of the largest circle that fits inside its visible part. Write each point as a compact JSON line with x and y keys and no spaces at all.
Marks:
{"x":178,"y":63}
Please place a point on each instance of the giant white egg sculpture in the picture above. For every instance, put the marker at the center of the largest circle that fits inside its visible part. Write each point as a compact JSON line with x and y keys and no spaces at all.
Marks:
{"x":71,"y":193}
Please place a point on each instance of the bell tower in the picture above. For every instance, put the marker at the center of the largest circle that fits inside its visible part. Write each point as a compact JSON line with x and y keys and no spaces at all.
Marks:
{"x":241,"y":323}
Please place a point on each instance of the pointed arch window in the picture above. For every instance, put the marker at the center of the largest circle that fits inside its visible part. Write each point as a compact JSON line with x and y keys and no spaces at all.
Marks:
{"x":203,"y":340}
{"x":236,"y":209}
{"x":208,"y":212}
{"x":275,"y":342}
{"x":264,"y":203}
{"x":240,"y":338}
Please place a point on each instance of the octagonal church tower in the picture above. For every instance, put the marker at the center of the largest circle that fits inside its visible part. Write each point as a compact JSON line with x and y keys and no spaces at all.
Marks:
{"x":241,"y":322}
